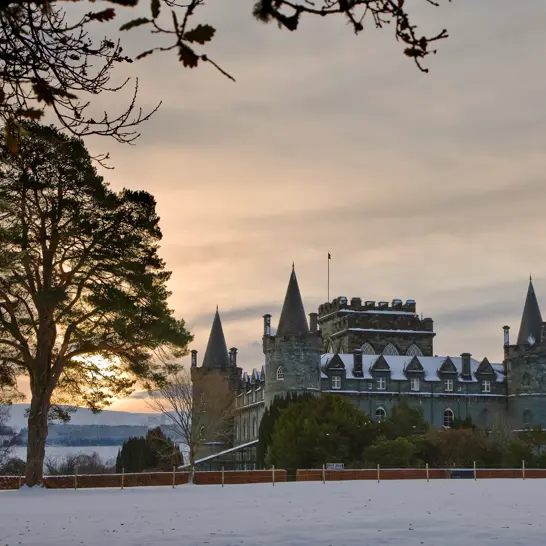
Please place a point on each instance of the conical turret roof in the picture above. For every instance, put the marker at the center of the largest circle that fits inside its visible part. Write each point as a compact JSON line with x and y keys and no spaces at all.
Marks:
{"x":216,"y":354}
{"x":293,"y":321}
{"x":530,"y":330}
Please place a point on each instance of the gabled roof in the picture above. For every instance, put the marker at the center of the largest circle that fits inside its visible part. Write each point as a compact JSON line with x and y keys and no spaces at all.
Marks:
{"x":293,"y":321}
{"x":485,"y":368}
{"x":216,"y":354}
{"x":414,"y":365}
{"x":335,"y":363}
{"x":448,"y":366}
{"x":530,"y":330}
{"x":380,"y":364}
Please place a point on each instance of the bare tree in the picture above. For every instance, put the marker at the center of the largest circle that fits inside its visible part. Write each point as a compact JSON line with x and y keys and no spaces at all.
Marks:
{"x":7,"y":435}
{"x":199,"y":420}
{"x":49,"y":59}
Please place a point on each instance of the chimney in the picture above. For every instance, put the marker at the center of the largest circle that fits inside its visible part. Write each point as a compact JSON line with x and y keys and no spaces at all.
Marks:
{"x":233,"y":356}
{"x":313,"y":322}
{"x":357,"y":362}
{"x":506,"y":335}
{"x":466,"y":371}
{"x":267,"y":325}
{"x":194,"y":359}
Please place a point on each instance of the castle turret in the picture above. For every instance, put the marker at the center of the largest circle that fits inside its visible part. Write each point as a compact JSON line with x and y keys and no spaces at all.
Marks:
{"x":292,"y":356}
{"x":216,"y":354}
{"x":530,"y":330}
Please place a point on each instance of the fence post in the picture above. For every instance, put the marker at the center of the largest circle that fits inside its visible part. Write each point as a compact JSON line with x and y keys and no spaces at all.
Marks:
{"x":20,"y":479}
{"x":523,"y":469}
{"x":76,"y":478}
{"x":122,"y":475}
{"x":222,"y":476}
{"x":273,"y":475}
{"x":378,"y":475}
{"x":174,"y":475}
{"x":475,"y":473}
{"x":427,"y":473}
{"x":323,"y":473}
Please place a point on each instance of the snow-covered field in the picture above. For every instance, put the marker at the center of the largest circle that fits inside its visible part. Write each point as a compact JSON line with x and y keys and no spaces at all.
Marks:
{"x":401,"y":513}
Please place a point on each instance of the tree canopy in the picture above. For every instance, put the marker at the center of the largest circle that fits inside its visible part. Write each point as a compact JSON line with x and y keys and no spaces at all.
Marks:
{"x":48,"y":58}
{"x":83,"y":305}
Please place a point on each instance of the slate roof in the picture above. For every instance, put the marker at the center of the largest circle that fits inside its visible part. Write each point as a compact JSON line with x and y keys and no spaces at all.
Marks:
{"x":216,"y":354}
{"x":531,"y":320}
{"x":293,"y":321}
{"x":397,"y":364}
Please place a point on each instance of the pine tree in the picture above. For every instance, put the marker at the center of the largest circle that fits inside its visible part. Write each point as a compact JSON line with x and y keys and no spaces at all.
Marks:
{"x":84,"y":300}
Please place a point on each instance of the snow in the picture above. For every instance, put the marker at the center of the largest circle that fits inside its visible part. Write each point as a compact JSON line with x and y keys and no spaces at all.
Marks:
{"x":409,"y":513}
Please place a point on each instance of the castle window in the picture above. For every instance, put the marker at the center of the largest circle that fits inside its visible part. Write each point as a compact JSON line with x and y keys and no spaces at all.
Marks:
{"x":236,"y":432}
{"x":460,"y":388}
{"x":390,"y":350}
{"x":486,"y":386}
{"x":448,"y":385}
{"x":367,"y":349}
{"x":381,"y":383}
{"x":380,"y":414}
{"x":253,"y":396}
{"x":525,"y":380}
{"x":448,"y":418}
{"x":413,"y":350}
{"x":336,"y":382}
{"x":280,"y":373}
{"x":202,"y":432}
{"x":254,"y":428}
{"x":245,"y":431}
{"x":414,"y":383}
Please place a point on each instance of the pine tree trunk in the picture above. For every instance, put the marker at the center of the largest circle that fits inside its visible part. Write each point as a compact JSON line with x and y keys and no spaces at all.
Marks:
{"x":37,"y":435}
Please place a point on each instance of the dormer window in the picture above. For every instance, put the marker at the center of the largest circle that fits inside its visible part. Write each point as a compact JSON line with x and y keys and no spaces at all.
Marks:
{"x":486,"y":386}
{"x":280,"y":373}
{"x":414,"y":383}
{"x":448,"y":385}
{"x":381,"y":383}
{"x":336,"y":382}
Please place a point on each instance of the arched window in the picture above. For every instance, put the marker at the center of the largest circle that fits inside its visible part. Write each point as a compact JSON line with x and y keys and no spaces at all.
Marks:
{"x":448,"y":418}
{"x":380,"y":414}
{"x":236,"y":432}
{"x":367,"y":349}
{"x":525,"y":380}
{"x":280,"y":373}
{"x":202,"y":432}
{"x":245,"y":431}
{"x":527,"y":418}
{"x":413,"y":350}
{"x":391,"y":350}
{"x":254,"y":427}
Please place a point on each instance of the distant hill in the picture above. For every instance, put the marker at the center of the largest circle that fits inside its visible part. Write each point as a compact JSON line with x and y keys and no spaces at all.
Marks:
{"x":85,"y":416}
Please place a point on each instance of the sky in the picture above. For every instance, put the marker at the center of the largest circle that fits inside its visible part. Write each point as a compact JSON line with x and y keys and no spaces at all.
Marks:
{"x":421,"y":186}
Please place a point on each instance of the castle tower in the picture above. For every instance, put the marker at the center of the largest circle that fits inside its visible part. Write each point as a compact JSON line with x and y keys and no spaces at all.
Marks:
{"x":292,"y":355}
{"x":525,"y":365}
{"x":214,"y":389}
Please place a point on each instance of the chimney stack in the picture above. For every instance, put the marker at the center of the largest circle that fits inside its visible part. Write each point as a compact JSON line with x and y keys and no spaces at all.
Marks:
{"x":233,"y":356}
{"x":267,"y":325}
{"x":313,"y":322}
{"x":357,"y":363}
{"x":506,"y":335}
{"x":194,"y":358}
{"x":466,"y":371}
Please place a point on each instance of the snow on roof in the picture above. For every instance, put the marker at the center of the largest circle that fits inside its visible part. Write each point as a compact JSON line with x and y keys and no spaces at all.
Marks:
{"x":372,"y":330}
{"x":397,"y":364}
{"x":369,"y":312}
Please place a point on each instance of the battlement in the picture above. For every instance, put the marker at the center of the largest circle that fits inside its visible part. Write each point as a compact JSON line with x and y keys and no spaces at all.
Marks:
{"x":356,"y":305}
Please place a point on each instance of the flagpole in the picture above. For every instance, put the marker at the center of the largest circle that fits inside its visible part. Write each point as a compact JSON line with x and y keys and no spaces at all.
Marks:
{"x":329,"y":257}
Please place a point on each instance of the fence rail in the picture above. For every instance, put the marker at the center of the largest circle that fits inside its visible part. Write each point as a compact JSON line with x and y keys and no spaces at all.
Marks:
{"x":272,"y":476}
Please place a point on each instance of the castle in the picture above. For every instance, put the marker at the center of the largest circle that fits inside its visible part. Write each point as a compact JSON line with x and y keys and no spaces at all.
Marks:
{"x":375,"y":354}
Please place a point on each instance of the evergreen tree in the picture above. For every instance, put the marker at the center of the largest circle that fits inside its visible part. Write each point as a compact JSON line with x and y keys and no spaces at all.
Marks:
{"x":85,"y":297}
{"x":320,"y":429}
{"x":155,"y":451}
